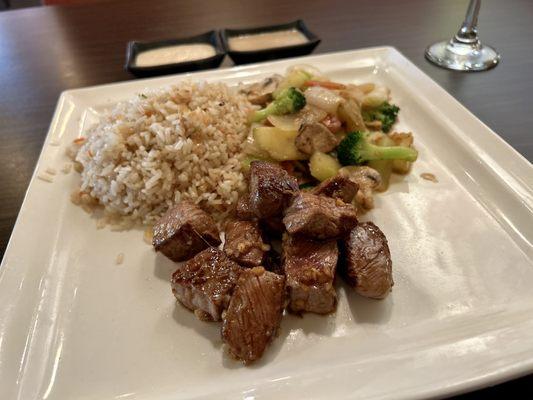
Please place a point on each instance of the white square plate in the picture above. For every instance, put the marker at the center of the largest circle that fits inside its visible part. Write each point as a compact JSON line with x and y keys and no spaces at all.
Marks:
{"x":74,"y":325}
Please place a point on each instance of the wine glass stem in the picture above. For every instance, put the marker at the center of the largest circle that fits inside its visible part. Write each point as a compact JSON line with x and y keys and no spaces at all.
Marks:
{"x":468,"y":32}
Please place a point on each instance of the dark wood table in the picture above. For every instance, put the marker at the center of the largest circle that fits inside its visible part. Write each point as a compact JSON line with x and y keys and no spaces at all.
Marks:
{"x":46,"y":50}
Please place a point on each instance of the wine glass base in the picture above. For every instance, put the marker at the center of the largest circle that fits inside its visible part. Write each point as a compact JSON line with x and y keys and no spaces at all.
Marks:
{"x":462,"y":57}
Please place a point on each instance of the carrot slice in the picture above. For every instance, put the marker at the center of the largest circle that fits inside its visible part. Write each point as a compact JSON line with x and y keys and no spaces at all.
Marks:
{"x":326,"y":84}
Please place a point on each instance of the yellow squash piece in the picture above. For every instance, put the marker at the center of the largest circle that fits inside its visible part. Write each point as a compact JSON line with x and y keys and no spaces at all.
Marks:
{"x":279,"y":144}
{"x":323,"y":166}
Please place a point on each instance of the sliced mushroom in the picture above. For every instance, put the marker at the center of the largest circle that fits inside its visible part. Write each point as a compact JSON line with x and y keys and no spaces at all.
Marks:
{"x":260,"y":93}
{"x":368,"y":179}
{"x":315,"y":137}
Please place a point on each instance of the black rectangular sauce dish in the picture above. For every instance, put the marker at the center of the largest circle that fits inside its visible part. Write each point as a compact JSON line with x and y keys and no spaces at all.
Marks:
{"x":135,"y":48}
{"x":245,"y":57}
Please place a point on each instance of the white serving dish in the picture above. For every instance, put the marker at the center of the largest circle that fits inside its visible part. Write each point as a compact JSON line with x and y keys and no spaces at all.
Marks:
{"x":74,"y":325}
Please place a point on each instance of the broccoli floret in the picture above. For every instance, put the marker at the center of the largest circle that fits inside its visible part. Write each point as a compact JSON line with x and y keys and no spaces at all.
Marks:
{"x":354,"y":149}
{"x":386,"y":113}
{"x":289,"y":101}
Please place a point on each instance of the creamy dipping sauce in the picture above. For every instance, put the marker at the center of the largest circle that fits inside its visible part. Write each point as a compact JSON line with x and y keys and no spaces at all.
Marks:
{"x":267,"y":40}
{"x":174,"y":54}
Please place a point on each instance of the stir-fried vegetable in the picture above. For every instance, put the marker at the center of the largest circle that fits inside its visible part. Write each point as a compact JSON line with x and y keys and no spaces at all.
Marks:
{"x":279,"y":144}
{"x":368,"y":180}
{"x":309,"y":69}
{"x":246,"y":161}
{"x":366,"y":87}
{"x":378,"y":96}
{"x":350,"y":113}
{"x":285,"y":122}
{"x":354,"y":149}
{"x":332,"y":123}
{"x":311,"y":114}
{"x":401,"y":139}
{"x":295,"y":78}
{"x":353,"y":92}
{"x":323,"y":166}
{"x":325,"y":84}
{"x":323,"y":98}
{"x":386,"y":113}
{"x":305,"y":127}
{"x":384,"y":167}
{"x":289,"y":101}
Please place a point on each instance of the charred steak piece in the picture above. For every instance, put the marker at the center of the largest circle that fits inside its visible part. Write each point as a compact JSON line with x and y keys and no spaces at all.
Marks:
{"x":338,"y":187}
{"x":367,"y":263}
{"x":254,"y":313}
{"x":271,"y":189}
{"x":310,"y":270}
{"x":243,"y":210}
{"x":204,"y":284}
{"x":273,"y":226}
{"x":183,"y":231}
{"x":244,"y":243}
{"x":319,"y":217}
{"x":273,"y":262}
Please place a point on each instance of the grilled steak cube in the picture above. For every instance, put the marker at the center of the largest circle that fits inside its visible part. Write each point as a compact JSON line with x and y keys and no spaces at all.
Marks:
{"x":183,"y":231}
{"x":271,"y":189}
{"x":367,"y":263}
{"x":273,"y":226}
{"x":205,"y":283}
{"x":310,"y":270}
{"x":243,"y":210}
{"x":244,"y":243}
{"x":254,"y":313}
{"x":338,"y":187}
{"x":319,"y":217}
{"x":273,"y":262}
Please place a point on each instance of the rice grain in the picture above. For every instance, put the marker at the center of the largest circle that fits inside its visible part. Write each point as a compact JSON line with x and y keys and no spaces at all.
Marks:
{"x":120,"y":258}
{"x":46,"y":178}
